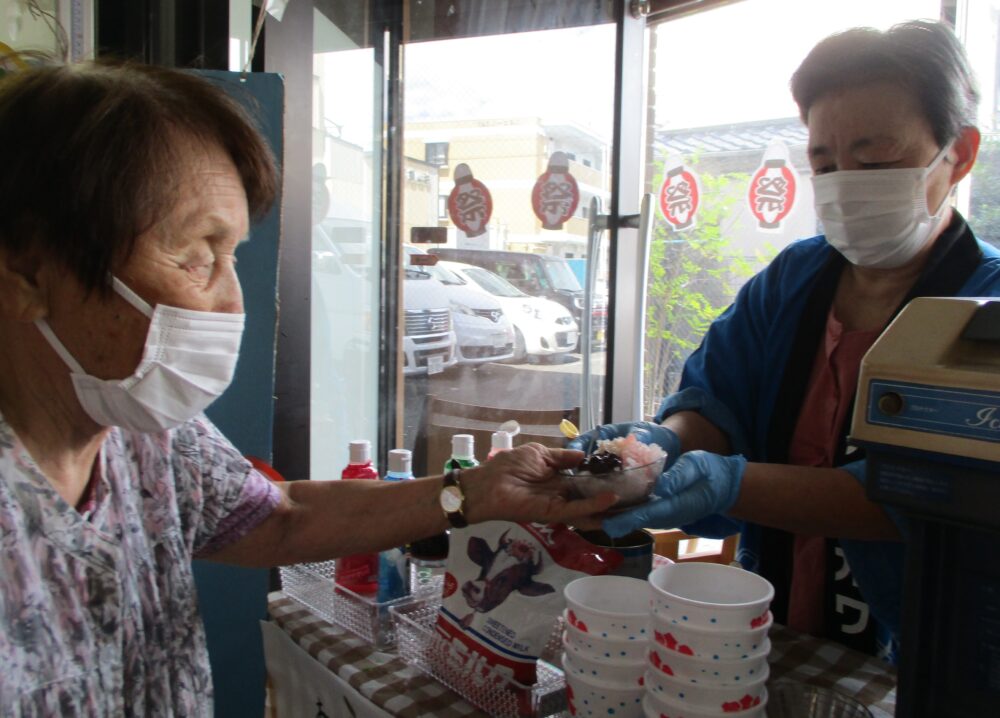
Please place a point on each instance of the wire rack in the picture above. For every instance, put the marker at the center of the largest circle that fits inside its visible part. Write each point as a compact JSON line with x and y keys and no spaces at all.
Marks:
{"x":312,"y":584}
{"x":498,"y":696}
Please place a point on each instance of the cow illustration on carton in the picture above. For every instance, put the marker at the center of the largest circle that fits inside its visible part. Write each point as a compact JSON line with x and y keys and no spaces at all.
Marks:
{"x":510,"y":567}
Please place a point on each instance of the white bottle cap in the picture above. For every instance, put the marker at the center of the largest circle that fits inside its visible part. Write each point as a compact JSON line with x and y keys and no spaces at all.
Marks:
{"x":361,"y":451}
{"x":400,"y":461}
{"x":461,"y":446}
{"x":502,"y":440}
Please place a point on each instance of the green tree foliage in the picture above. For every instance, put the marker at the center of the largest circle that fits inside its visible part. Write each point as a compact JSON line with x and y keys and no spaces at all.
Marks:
{"x":984,"y":205}
{"x":694,"y":275}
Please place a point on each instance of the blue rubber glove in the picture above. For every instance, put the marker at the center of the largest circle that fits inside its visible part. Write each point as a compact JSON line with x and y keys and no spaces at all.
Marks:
{"x":645,"y":431}
{"x":699,"y":484}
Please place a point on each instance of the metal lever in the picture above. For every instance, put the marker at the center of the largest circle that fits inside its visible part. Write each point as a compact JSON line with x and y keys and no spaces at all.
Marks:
{"x":598,"y":223}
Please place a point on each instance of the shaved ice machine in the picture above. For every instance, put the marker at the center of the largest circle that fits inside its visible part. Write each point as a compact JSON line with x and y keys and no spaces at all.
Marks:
{"x":928,"y":416}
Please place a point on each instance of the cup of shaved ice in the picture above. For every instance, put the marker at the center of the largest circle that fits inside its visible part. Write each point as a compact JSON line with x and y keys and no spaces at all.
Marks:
{"x":625,"y":466}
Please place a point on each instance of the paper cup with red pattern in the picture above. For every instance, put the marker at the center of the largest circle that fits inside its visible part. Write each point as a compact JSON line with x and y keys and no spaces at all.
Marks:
{"x":591,"y":698}
{"x":655,"y":707}
{"x":725,"y":697}
{"x":710,"y":595}
{"x":615,"y":607}
{"x":707,"y":670}
{"x":708,"y":644}
{"x":608,"y":649}
{"x":599,"y":668}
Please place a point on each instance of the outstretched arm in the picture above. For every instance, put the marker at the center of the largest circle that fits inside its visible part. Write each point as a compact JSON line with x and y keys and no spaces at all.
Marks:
{"x":321,"y":520}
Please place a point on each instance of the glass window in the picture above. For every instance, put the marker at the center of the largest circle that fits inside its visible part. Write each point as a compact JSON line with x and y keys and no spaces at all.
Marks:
{"x":345,"y":243}
{"x":489,"y":101}
{"x":720,"y":116}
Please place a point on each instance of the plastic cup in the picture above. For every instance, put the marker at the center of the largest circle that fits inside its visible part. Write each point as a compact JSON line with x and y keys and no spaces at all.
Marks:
{"x":633,"y":486}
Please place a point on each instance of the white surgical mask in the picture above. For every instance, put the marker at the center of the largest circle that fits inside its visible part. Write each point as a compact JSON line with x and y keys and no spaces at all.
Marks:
{"x":187,"y":362}
{"x":878,"y":218}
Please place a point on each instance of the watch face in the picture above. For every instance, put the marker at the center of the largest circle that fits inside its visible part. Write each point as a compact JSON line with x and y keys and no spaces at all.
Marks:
{"x":451,"y":499}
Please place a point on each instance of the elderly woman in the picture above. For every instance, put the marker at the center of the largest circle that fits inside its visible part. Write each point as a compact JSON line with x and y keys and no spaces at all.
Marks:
{"x":763,"y":410}
{"x":126,"y":191}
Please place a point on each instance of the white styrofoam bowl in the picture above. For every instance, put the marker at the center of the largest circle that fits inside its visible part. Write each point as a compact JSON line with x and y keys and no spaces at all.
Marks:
{"x":710,"y":595}
{"x":706,"y":670}
{"x":609,"y":606}
{"x":708,"y":644}
{"x":725,"y":697}
{"x":654,"y":706}
{"x":612,"y":649}
{"x":593,"y":699}
{"x":599,"y":668}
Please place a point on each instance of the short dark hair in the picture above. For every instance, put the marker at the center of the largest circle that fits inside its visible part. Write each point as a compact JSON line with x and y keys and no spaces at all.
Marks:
{"x":91,"y":157}
{"x":924,"y":57}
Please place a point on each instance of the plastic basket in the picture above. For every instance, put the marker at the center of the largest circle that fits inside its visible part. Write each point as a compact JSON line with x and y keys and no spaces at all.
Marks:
{"x":498,"y":696}
{"x":312,"y":584}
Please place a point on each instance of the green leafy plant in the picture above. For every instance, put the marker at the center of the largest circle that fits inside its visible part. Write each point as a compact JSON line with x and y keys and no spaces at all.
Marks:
{"x":984,"y":204}
{"x":694,"y":275}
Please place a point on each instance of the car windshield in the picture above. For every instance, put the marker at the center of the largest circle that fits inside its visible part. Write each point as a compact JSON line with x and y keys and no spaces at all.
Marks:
{"x":441,"y":274}
{"x":445,"y":276}
{"x":492,"y":283}
{"x":414,"y":273}
{"x":562,"y":276}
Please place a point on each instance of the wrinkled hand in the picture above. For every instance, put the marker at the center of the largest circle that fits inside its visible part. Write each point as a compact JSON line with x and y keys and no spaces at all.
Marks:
{"x":699,"y":484}
{"x":524,"y":485}
{"x":645,"y":431}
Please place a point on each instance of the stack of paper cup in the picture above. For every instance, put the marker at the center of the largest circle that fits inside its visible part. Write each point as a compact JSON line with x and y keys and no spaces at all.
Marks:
{"x":708,"y":653}
{"x":605,"y":644}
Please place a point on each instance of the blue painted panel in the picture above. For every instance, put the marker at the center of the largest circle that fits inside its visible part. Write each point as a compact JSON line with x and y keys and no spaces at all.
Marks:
{"x":234,"y":599}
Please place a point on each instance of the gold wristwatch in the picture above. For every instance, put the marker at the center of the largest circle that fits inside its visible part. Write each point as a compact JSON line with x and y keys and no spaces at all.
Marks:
{"x":453,"y":500}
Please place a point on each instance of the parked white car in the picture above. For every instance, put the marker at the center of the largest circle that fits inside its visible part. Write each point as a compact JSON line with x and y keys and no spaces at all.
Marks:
{"x":428,"y":337}
{"x":483,"y":331}
{"x":542,"y":327}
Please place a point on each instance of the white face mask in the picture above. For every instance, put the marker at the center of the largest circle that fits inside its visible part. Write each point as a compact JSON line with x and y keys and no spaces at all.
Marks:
{"x":187,"y":362}
{"x":877,"y":218}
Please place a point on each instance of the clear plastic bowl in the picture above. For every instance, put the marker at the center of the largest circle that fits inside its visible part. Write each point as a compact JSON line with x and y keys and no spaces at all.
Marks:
{"x":633,"y":486}
{"x":793,"y":699}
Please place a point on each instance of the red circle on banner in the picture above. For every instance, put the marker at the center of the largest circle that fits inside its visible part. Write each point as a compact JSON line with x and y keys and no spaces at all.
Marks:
{"x":772,"y":193}
{"x":679,"y":198}
{"x":554,"y":198}
{"x":470,"y":206}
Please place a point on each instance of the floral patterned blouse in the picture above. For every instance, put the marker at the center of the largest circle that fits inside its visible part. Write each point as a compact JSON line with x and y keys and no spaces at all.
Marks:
{"x":98,"y":613}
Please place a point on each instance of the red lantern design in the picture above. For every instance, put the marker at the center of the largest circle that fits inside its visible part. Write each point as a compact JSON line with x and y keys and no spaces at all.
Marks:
{"x":772,"y":193}
{"x":680,"y":196}
{"x":555,"y":195}
{"x":470,"y":205}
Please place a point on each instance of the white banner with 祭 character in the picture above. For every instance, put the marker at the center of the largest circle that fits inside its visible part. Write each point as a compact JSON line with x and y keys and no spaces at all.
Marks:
{"x":555,"y":195}
{"x":680,"y":196}
{"x":773,"y":188}
{"x":470,"y":204}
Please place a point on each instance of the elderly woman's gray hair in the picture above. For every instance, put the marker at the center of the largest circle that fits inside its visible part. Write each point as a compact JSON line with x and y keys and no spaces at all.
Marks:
{"x":93,"y":153}
{"x":923,"y":56}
